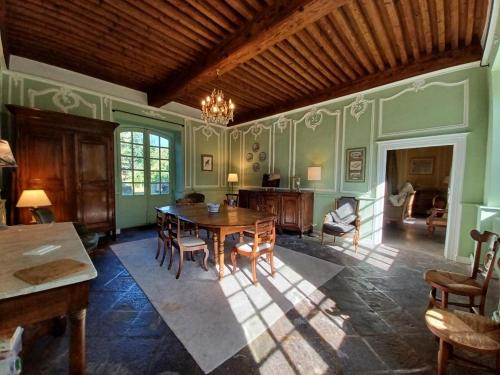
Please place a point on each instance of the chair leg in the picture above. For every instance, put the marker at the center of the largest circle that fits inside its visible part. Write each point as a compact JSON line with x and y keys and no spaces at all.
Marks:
{"x":471,"y":303}
{"x":164,"y":253}
{"x":181,"y":263}
{"x":158,"y":248}
{"x":271,"y":261}
{"x":443,"y":356}
{"x":234,"y":254}
{"x":444,"y":300}
{"x":205,"y":258}
{"x":481,"y":305}
{"x":253,"y":261}
{"x":172,"y":249}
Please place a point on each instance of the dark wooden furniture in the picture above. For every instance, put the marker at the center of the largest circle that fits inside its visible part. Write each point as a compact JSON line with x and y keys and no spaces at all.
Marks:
{"x":469,"y":332}
{"x":22,"y":304}
{"x":466,"y":285}
{"x":293,"y":210}
{"x":423,"y":201}
{"x":227,"y":221}
{"x":263,"y":242}
{"x":187,"y":244}
{"x":438,"y":214}
{"x":232,"y":199}
{"x":344,"y":221}
{"x":72,"y":159}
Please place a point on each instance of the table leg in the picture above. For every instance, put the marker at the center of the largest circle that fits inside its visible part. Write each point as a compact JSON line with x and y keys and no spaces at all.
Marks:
{"x":222,"y":238}
{"x":443,"y":356}
{"x":216,"y":247}
{"x":77,"y":342}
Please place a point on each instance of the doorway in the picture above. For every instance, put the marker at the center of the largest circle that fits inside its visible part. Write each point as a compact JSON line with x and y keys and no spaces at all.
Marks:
{"x":457,"y":142}
{"x":416,"y":199}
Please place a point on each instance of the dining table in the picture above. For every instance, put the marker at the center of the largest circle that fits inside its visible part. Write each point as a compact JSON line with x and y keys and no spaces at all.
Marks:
{"x":228,"y":220}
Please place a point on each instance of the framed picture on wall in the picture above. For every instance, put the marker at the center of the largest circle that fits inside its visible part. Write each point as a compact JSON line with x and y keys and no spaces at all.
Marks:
{"x":207,"y":163}
{"x":421,"y":166}
{"x":355,"y":164}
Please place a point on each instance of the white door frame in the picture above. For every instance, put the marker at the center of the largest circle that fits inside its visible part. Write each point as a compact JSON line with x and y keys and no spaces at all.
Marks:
{"x":458,"y":141}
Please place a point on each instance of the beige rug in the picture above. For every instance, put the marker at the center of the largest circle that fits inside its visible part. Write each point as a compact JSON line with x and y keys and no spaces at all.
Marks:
{"x":214,"y":320}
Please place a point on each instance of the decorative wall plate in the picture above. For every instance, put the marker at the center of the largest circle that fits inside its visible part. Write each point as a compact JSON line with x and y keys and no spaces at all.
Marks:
{"x":249,"y":156}
{"x":262,"y":156}
{"x":256,"y":147}
{"x":256,"y":167}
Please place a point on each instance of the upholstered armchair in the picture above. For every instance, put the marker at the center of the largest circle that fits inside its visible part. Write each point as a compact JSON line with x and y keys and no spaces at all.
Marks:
{"x":399,"y":213}
{"x":343,"y":221}
{"x":191,"y":198}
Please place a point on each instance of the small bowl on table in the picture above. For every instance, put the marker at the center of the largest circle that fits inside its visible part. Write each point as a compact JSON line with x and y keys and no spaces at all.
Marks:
{"x":213,"y":208}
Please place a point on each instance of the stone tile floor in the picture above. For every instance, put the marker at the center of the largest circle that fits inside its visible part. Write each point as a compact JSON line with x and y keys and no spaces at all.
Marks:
{"x":376,"y":304}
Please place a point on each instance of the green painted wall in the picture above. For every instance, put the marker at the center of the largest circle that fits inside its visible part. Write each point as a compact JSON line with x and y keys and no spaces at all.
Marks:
{"x":189,"y":142}
{"x":455,"y":102}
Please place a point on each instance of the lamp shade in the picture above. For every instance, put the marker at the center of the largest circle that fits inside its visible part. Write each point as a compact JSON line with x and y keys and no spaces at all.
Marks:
{"x":33,"y":198}
{"x":232,"y":177}
{"x":314,"y":173}
{"x":6,"y":157}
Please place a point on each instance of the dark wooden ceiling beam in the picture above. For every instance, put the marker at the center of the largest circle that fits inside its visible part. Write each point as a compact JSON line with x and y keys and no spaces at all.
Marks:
{"x":271,"y":26}
{"x":426,"y":25}
{"x":441,"y":30}
{"x":189,"y":11}
{"x":256,"y":71}
{"x":204,"y":8}
{"x":412,"y":30}
{"x":425,"y":65}
{"x":470,"y":23}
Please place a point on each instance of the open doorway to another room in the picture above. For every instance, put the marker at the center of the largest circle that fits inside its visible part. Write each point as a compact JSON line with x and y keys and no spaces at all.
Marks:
{"x":416,"y":198}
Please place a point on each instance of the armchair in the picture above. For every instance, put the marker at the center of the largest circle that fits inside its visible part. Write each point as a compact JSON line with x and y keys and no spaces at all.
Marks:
{"x":343,"y":221}
{"x":399,"y":213}
{"x":438,"y":214}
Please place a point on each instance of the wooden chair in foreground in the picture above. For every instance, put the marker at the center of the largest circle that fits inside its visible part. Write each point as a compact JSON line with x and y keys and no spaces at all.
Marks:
{"x":161,"y":227}
{"x":188,"y":244}
{"x":264,"y":238}
{"x":469,"y":332}
{"x":466,"y":285}
{"x":343,"y":221}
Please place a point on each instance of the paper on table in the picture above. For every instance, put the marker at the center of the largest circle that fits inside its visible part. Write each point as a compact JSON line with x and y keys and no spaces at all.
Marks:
{"x":41,"y":250}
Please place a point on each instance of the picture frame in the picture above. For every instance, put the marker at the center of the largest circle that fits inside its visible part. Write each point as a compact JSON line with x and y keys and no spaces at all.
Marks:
{"x":207,"y":163}
{"x":421,"y":166}
{"x":355,"y":164}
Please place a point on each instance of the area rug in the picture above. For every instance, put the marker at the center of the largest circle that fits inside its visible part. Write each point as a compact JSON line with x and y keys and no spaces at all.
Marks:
{"x":214,"y":320}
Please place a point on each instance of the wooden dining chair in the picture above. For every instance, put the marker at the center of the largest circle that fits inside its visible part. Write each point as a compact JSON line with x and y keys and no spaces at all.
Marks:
{"x":161,"y":227}
{"x":466,"y":285}
{"x":188,"y":244}
{"x":232,"y":200}
{"x":263,"y":243}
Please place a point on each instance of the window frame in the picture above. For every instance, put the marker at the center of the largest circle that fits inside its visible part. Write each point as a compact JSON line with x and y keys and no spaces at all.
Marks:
{"x":147,"y":162}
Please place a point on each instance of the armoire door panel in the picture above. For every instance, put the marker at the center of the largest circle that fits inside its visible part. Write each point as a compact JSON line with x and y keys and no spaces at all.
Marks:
{"x":93,"y":165}
{"x":290,"y":206}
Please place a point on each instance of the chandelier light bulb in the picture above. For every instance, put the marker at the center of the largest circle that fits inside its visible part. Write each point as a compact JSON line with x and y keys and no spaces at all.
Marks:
{"x":203,"y":103}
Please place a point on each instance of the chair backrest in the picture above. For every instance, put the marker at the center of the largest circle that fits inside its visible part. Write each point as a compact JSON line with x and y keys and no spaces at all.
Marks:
{"x":196,"y":197}
{"x":161,"y":221}
{"x":233,"y":199}
{"x":43,"y":215}
{"x":351,"y":201}
{"x":492,"y":241}
{"x":265,"y":232}
{"x":439,"y":201}
{"x":408,"y":204}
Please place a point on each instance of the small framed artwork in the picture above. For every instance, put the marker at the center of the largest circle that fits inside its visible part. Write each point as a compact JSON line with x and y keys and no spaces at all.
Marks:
{"x":249,"y":157}
{"x":256,"y":147}
{"x":421,"y":166}
{"x":355,"y":164}
{"x":207,"y":163}
{"x":262,"y":156}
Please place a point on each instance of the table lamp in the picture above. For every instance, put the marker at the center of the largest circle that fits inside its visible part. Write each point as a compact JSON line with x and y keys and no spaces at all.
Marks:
{"x":6,"y":161}
{"x":314,"y":173}
{"x":33,"y":198}
{"x":232,"y":178}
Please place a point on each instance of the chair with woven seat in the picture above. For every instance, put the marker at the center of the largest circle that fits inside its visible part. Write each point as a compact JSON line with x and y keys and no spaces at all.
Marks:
{"x":161,"y":227}
{"x":466,"y":285}
{"x":263,"y":243}
{"x":90,"y":240}
{"x":187,"y":244}
{"x":438,"y":214}
{"x":343,"y":221}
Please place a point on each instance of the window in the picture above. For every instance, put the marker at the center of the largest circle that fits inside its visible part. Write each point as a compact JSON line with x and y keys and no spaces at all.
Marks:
{"x":159,"y":156}
{"x":140,"y":152}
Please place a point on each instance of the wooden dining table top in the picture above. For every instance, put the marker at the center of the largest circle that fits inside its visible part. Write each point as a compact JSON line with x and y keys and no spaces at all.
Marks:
{"x":226,"y":217}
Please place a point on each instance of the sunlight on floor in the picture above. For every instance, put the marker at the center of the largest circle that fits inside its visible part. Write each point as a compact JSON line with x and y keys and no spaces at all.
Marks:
{"x":275,"y":350}
{"x":381,"y":256}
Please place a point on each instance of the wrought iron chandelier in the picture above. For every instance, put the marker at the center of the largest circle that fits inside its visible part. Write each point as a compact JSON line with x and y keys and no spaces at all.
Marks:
{"x":215,"y":109}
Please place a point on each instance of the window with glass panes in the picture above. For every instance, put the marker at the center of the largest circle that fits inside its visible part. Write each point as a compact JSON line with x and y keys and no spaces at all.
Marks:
{"x":140,"y":151}
{"x":159,"y":162}
{"x":132,"y":162}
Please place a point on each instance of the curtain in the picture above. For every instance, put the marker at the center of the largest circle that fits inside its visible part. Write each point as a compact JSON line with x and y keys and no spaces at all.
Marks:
{"x":391,"y":176}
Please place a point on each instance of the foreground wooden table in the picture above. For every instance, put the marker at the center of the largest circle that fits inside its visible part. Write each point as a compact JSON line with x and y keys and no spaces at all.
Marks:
{"x":22,"y":304}
{"x":227,"y":221}
{"x":463,"y":330}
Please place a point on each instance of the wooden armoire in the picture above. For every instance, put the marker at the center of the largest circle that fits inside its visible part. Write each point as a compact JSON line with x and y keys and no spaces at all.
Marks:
{"x":72,"y":159}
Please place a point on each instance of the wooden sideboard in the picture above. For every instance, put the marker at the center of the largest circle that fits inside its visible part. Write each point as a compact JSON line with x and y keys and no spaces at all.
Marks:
{"x":72,"y":159}
{"x":294,"y":210}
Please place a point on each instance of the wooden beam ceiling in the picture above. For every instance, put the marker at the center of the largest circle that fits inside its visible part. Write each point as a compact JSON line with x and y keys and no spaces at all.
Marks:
{"x":279,"y":21}
{"x":272,"y":55}
{"x":426,"y":65}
